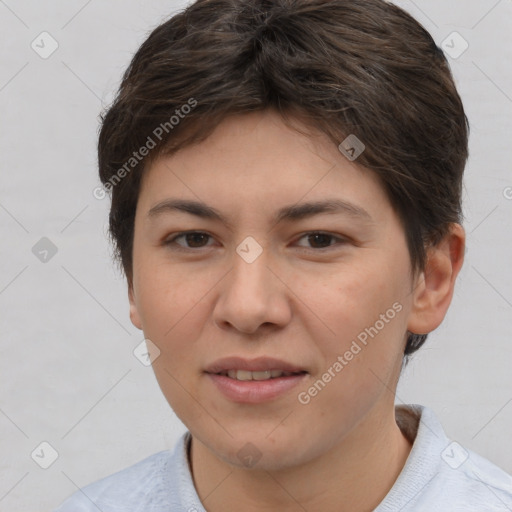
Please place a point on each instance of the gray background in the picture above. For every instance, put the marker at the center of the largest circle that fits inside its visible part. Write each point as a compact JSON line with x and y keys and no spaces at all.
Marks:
{"x":67,"y":369}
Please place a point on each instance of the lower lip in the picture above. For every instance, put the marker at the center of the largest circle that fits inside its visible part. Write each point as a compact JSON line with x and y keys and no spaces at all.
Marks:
{"x":255,"y":391}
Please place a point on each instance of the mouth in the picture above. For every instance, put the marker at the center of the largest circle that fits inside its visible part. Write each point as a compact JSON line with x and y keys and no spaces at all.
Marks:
{"x":261,"y":368}
{"x":256,"y":380}
{"x":245,"y":375}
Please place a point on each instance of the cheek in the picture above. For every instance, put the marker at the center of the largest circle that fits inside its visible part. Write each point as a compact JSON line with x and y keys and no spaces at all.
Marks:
{"x":170,"y":307}
{"x":363,"y":323}
{"x":361,"y":356}
{"x":165,"y":292}
{"x":352,"y":302}
{"x":167,"y":304}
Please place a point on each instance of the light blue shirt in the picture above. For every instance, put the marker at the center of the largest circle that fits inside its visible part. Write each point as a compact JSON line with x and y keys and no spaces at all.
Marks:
{"x":439,"y":476}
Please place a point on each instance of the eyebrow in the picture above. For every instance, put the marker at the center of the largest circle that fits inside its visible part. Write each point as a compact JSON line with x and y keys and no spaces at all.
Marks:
{"x":289,"y":213}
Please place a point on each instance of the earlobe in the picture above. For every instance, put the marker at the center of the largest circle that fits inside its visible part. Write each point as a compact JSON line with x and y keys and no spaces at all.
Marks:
{"x":433,"y":290}
{"x":134,"y":313}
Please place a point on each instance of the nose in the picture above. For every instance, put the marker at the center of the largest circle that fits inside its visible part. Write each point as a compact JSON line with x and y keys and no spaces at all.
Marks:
{"x":253,"y":296}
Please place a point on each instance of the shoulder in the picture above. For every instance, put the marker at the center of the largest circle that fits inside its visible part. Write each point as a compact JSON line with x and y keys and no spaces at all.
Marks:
{"x":467,"y":478}
{"x":442,"y":475}
{"x":125,"y":490}
{"x":476,"y":481}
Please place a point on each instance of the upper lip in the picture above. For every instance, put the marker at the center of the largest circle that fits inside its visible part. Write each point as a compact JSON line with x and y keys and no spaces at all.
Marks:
{"x":259,"y":364}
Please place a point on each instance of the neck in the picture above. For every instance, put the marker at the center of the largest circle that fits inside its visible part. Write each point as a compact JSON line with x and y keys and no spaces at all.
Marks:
{"x":355,"y":475}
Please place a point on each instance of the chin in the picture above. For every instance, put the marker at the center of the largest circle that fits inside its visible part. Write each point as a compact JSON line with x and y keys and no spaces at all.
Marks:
{"x":257,"y":451}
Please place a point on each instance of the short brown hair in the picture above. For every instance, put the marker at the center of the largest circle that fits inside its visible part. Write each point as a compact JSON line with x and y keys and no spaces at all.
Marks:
{"x":361,"y":67}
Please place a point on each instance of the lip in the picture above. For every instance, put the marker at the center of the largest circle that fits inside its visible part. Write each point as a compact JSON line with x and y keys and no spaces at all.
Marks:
{"x":259,"y":364}
{"x":255,"y":391}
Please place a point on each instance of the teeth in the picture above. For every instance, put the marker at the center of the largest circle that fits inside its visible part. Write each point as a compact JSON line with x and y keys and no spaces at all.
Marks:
{"x":260,"y":375}
{"x":264,"y":375}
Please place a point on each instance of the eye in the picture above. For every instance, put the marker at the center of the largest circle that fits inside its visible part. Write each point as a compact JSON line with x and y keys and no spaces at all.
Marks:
{"x":321,"y":238}
{"x":194,"y":237}
{"x":197,"y":239}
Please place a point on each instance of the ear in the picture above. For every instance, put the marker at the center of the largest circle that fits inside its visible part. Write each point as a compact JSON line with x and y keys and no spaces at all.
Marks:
{"x":134,"y":313}
{"x":433,"y":289}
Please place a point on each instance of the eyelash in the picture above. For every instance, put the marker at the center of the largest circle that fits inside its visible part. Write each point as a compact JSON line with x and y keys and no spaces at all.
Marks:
{"x":172,"y":241}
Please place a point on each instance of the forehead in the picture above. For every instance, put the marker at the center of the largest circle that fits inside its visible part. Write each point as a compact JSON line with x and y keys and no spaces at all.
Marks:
{"x":257,"y":159}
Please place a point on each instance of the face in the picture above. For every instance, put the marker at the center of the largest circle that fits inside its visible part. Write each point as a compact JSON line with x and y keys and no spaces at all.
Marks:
{"x":335,"y":305}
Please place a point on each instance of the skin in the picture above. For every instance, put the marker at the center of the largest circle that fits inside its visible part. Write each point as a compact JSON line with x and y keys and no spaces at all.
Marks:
{"x":302,"y":300}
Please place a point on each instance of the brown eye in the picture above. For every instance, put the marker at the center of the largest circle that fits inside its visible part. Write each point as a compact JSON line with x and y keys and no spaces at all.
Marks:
{"x":318,"y":238}
{"x":193,"y":239}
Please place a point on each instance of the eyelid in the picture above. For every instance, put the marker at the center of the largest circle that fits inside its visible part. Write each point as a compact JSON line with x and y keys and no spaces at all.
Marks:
{"x":340,"y":240}
{"x":171,"y":241}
